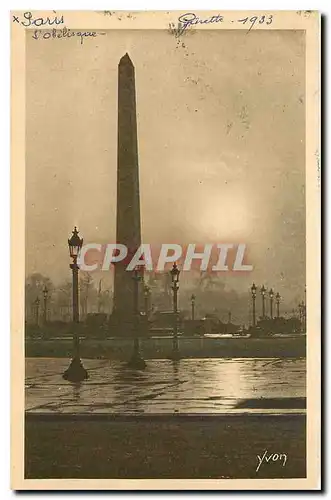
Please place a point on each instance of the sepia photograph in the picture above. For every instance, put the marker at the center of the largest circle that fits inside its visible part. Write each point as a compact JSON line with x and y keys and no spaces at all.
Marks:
{"x":166,"y":313}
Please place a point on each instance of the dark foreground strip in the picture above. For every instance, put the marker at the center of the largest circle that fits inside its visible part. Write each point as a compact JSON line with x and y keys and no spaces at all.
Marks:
{"x":164,"y":446}
{"x":155,"y":417}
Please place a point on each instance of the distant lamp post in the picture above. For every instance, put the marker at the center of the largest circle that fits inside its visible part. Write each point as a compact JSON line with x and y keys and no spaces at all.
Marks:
{"x":136,"y":362}
{"x":263,"y":292}
{"x":45,"y":294}
{"x":100,"y":305}
{"x":278,"y":297}
{"x":305,"y":319}
{"x":37,"y":304}
{"x":175,"y":286}
{"x":193,"y":306}
{"x":302,"y":316}
{"x":253,"y":290}
{"x":147,"y":296}
{"x":305,"y":310}
{"x":75,"y":372}
{"x":271,"y":297}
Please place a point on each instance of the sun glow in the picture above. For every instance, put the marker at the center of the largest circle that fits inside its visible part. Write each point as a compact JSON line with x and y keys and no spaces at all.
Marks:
{"x":226,"y":217}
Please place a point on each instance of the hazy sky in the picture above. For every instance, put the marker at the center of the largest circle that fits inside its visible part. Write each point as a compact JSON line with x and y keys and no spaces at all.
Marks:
{"x":221,"y":136}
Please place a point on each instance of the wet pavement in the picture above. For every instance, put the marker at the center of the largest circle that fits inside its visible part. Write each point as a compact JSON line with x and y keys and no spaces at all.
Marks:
{"x":190,"y":386}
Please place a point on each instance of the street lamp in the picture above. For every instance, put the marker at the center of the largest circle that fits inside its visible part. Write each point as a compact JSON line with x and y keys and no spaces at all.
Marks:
{"x":302,"y":315}
{"x":175,"y":286}
{"x":75,"y":372}
{"x":253,"y":290}
{"x":193,"y":305}
{"x":271,"y":297}
{"x":278,"y":297}
{"x":147,"y":295}
{"x":263,"y":292}
{"x":45,"y":294}
{"x":37,"y":304}
{"x":305,"y":310}
{"x":136,"y":362}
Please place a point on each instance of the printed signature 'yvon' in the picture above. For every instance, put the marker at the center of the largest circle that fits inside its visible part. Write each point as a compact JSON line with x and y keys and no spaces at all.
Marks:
{"x":273,"y":457}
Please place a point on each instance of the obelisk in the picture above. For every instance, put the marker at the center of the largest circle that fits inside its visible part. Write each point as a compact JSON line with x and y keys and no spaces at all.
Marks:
{"x":128,"y":230}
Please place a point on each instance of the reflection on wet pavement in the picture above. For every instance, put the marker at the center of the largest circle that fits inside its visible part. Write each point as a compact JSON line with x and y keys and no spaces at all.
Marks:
{"x":188,"y":386}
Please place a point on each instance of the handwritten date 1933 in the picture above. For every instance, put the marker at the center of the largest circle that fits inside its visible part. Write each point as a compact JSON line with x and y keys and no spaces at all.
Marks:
{"x":256,"y":19}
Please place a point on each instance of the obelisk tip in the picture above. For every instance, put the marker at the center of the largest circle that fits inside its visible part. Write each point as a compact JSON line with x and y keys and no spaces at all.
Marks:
{"x":126,"y":59}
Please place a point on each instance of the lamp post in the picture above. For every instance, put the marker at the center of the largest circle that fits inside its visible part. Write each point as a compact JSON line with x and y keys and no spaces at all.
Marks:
{"x":75,"y":372}
{"x":107,"y":300}
{"x":263,"y":292}
{"x":136,"y":362}
{"x":99,"y":297}
{"x":37,"y":304}
{"x":193,"y":306}
{"x":147,"y":295}
{"x":271,"y":297}
{"x":278,"y":297}
{"x":305,"y":310}
{"x":253,"y":290}
{"x":175,"y":286}
{"x":45,"y":294}
{"x":302,"y":316}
